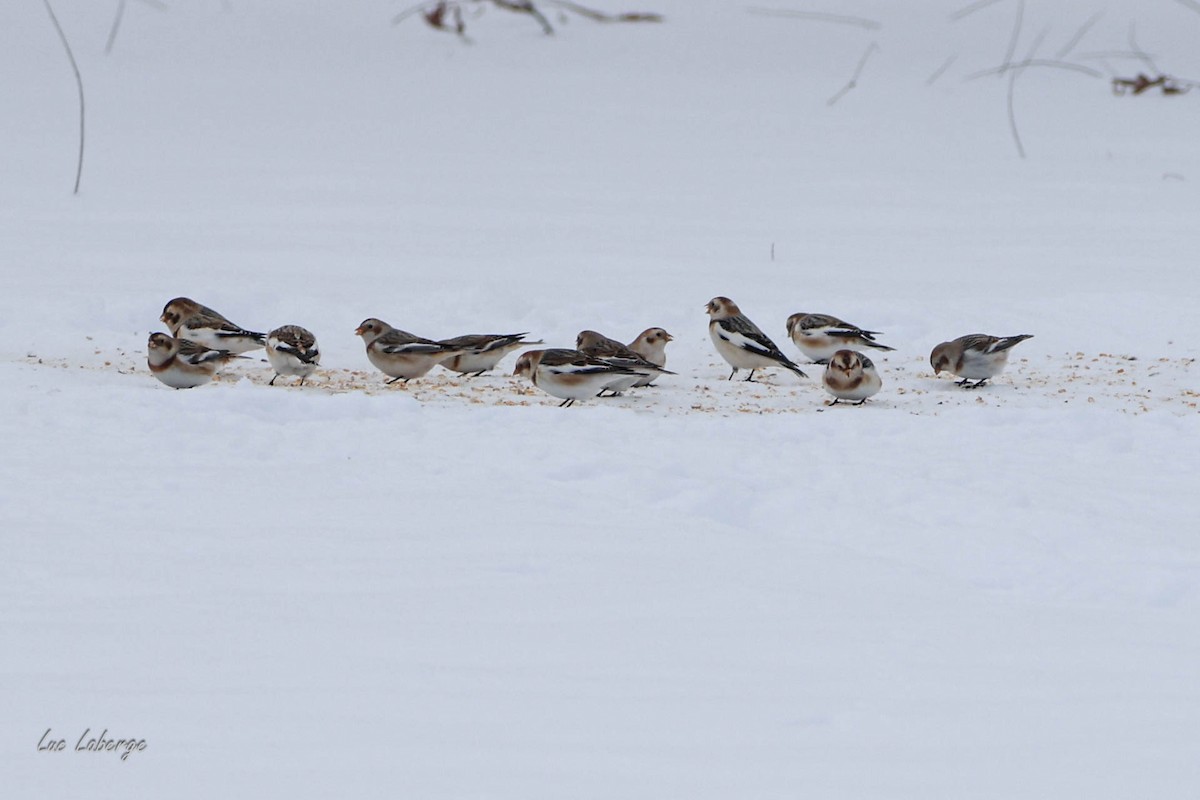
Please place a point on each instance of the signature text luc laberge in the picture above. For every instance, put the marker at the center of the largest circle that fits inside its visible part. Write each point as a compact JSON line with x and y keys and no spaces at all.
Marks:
{"x":91,"y":744}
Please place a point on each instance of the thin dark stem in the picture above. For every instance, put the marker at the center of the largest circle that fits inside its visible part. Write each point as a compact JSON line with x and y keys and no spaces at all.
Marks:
{"x":971,"y":9}
{"x":1034,"y":62}
{"x":932,"y":79}
{"x":1141,"y":54}
{"x":1101,"y":55}
{"x":1192,"y":4}
{"x":817,"y":16}
{"x":1016,"y":34}
{"x":1079,"y":34}
{"x":526,"y":7}
{"x":78,"y":83}
{"x":862,"y":62}
{"x":599,"y":16}
{"x":408,"y":12}
{"x":116,"y":26}
{"x":1012,"y":80}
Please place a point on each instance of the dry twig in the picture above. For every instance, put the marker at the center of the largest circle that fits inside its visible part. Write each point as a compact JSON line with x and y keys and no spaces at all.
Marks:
{"x":1142,"y":55}
{"x":1079,"y":34}
{"x":78,"y":84}
{"x":971,"y":9}
{"x":853,"y":82}
{"x":597,"y":16}
{"x":817,"y":16}
{"x":1034,"y":62}
{"x":116,"y":26}
{"x":447,"y":15}
{"x":1143,"y":83}
{"x":937,"y":73}
{"x":1190,"y":4}
{"x":1016,"y":34}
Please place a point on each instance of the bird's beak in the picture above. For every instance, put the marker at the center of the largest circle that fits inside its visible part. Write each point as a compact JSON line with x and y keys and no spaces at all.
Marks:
{"x":358,"y":331}
{"x":668,"y":337}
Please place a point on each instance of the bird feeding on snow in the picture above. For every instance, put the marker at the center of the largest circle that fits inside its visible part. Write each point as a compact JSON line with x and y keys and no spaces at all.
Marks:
{"x":182,"y":364}
{"x":976,"y":357}
{"x":568,"y":374}
{"x":819,"y":336}
{"x":198,"y":323}
{"x":742,"y":343}
{"x":401,"y":355}
{"x":292,"y":351}
{"x":850,"y":375}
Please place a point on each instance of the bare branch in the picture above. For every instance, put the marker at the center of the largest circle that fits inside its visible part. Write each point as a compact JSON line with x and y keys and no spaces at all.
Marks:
{"x":862,"y":62}
{"x":1012,"y":78}
{"x":1133,"y":45}
{"x":1016,"y":34}
{"x":1079,"y":34}
{"x":1100,"y":56}
{"x":116,"y":26}
{"x":979,"y":5}
{"x":1034,"y":62}
{"x":1012,"y":116}
{"x":1143,"y":83}
{"x":526,"y":7}
{"x":817,"y":16}
{"x":419,"y":8}
{"x":78,"y":84}
{"x":941,"y":70}
{"x":632,"y":16}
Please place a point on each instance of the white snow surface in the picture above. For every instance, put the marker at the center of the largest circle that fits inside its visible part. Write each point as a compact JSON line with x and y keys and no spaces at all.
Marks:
{"x":703,"y":589}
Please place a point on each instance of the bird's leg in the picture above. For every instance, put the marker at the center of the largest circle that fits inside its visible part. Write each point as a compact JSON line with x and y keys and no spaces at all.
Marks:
{"x":750,"y":377}
{"x":963,"y":383}
{"x":303,"y":378}
{"x":393,"y":380}
{"x":732,"y":374}
{"x":477,"y":374}
{"x":835,"y":402}
{"x":860,"y":402}
{"x":566,"y":402}
{"x":272,"y":383}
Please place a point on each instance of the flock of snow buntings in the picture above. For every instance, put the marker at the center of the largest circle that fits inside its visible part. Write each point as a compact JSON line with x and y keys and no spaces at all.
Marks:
{"x":202,"y":341}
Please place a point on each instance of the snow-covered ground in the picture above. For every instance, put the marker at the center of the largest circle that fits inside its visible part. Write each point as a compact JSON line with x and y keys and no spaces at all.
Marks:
{"x":703,"y":589}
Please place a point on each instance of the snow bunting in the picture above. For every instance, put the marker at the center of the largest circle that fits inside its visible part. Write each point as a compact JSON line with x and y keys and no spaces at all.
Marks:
{"x":612,"y":351}
{"x":741,"y":342}
{"x":399,"y":354}
{"x":651,"y":344}
{"x":292,"y":350}
{"x":182,"y":364}
{"x":850,"y":375}
{"x":976,"y":356}
{"x":483,"y":351}
{"x":198,"y":323}
{"x":568,"y":374}
{"x":819,"y":336}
